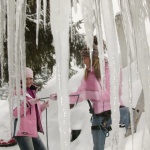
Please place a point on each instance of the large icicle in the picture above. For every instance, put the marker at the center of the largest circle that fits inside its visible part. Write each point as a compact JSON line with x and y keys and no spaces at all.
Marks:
{"x":45,"y":11}
{"x":2,"y":27}
{"x":5,"y":11}
{"x":88,"y":14}
{"x":139,"y":16}
{"x":38,"y":13}
{"x":114,"y":66}
{"x":59,"y":14}
{"x":147,"y":5}
{"x":18,"y":39}
{"x":99,"y":33}
{"x":23,"y":51}
{"x":75,"y":5}
{"x":125,"y":52}
{"x":131,"y":48}
{"x":137,"y":11}
{"x":10,"y":45}
{"x":1,"y":33}
{"x":122,"y":39}
{"x":16,"y":52}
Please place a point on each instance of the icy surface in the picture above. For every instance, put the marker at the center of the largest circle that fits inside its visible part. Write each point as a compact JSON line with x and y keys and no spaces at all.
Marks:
{"x":114,"y":65}
{"x":59,"y":14}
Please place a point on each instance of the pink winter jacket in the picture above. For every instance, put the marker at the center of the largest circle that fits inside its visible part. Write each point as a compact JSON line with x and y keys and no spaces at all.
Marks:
{"x":30,"y":124}
{"x":92,"y":89}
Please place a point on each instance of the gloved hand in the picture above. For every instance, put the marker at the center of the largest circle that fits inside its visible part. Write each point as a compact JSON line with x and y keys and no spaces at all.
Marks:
{"x":53,"y":96}
{"x":33,"y":101}
{"x":44,"y":105}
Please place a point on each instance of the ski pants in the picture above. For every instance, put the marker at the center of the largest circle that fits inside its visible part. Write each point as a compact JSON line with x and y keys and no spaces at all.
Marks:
{"x":30,"y":143}
{"x":99,"y":136}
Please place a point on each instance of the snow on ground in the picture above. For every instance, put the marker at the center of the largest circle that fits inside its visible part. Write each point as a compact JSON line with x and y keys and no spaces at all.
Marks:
{"x":80,"y":119}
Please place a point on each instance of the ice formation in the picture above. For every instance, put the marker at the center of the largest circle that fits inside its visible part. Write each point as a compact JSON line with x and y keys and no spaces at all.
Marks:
{"x":134,"y":14}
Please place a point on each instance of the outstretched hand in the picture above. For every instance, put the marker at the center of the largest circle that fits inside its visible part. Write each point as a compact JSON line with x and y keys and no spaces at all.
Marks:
{"x":33,"y":101}
{"x":53,"y":96}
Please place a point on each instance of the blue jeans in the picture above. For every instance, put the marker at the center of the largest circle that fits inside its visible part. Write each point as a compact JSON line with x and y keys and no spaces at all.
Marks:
{"x":99,"y":136}
{"x":30,"y":143}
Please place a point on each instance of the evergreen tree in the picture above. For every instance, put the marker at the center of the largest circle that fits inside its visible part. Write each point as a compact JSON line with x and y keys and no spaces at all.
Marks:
{"x":41,"y":58}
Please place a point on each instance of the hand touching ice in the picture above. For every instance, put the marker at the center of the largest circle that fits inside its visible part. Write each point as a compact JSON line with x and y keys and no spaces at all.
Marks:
{"x":53,"y":96}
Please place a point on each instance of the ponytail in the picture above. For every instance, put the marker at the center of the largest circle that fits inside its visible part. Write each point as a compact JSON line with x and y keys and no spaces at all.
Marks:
{"x":96,"y":67}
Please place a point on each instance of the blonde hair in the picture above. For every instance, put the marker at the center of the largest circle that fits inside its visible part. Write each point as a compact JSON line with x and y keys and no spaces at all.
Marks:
{"x":96,"y":67}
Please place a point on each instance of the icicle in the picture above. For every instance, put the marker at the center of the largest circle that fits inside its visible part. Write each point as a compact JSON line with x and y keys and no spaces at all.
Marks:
{"x":100,"y":40}
{"x":130,"y":8}
{"x":91,"y":58}
{"x":118,"y":1}
{"x":2,"y":69}
{"x":2,"y":35}
{"x":124,"y":45}
{"x":38,"y":11}
{"x":2,"y":20}
{"x":23,"y":52}
{"x":10,"y":45}
{"x":75,"y":5}
{"x":139,"y":15}
{"x":130,"y":40}
{"x":136,"y":15}
{"x":148,"y":7}
{"x":71,"y":22}
{"x":17,"y":55}
{"x":122,"y":39}
{"x":114,"y":67}
{"x":87,"y":12}
{"x":45,"y":11}
{"x":59,"y":14}
{"x":130,"y":92}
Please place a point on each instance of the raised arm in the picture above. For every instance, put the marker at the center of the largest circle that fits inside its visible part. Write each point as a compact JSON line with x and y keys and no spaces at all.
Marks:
{"x":75,"y":96}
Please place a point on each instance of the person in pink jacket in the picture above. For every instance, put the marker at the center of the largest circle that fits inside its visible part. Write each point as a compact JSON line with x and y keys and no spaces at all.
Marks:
{"x":91,"y":89}
{"x":26,"y":133}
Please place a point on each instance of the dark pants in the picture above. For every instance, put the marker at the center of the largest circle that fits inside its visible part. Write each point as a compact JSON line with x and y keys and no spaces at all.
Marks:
{"x":99,"y":136}
{"x":30,"y":143}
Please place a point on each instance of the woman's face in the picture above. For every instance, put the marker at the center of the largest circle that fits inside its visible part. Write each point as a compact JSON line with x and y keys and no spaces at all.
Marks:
{"x":86,"y":61}
{"x":29,"y":82}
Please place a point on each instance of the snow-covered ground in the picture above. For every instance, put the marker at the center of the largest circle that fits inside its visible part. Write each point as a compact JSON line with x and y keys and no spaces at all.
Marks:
{"x":80,"y":119}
